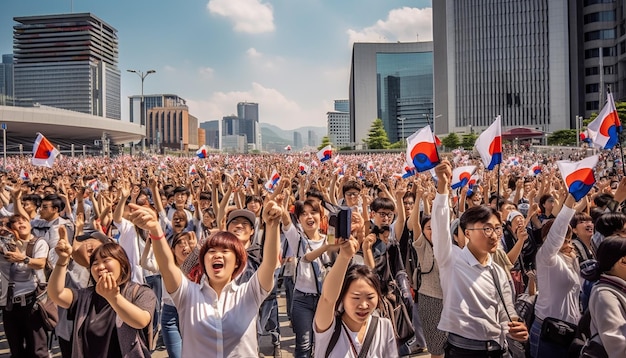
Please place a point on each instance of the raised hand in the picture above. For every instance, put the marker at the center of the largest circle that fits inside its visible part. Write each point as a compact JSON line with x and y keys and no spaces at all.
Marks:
{"x":107,"y":286}
{"x":63,"y":248}
{"x":272,"y":213}
{"x":143,"y":218}
{"x":348,"y":247}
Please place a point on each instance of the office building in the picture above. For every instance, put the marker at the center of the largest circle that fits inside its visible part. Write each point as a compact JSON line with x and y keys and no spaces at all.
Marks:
{"x":173,"y":128}
{"x":342,"y":105}
{"x":338,"y":126}
{"x":297,"y":140}
{"x":212,"y":133}
{"x":151,"y":101}
{"x":248,"y":114}
{"x":312,"y":139}
{"x":511,"y":58}
{"x":67,"y":61}
{"x":393,"y":82}
{"x":234,"y":144}
{"x":6,"y":79}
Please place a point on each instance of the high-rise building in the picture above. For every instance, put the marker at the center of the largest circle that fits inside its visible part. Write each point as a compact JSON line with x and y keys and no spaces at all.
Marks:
{"x":67,"y":61}
{"x":151,"y":101}
{"x":339,"y":128}
{"x":172,"y":127}
{"x":511,"y":58}
{"x":313,"y":141}
{"x":297,"y":140}
{"x":342,"y":105}
{"x":212,"y":133}
{"x":248,"y":114}
{"x":393,"y":82}
{"x":6,"y":79}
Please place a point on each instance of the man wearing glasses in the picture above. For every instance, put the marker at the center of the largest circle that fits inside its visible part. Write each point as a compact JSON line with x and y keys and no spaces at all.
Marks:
{"x":478,"y":311}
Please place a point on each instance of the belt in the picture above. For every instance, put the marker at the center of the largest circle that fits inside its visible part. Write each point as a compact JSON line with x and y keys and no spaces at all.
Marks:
{"x":473,"y":344}
{"x":25,"y":299}
{"x":306,"y":293}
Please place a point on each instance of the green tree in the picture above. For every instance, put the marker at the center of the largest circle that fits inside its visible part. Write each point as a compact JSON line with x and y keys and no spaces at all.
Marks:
{"x":451,"y":141}
{"x":401,"y":144}
{"x":468,"y":141}
{"x":377,"y":137}
{"x":562,"y":137}
{"x":325,"y":142}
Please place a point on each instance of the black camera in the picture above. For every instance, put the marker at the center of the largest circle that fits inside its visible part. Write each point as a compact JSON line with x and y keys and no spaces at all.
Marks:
{"x":339,"y":222}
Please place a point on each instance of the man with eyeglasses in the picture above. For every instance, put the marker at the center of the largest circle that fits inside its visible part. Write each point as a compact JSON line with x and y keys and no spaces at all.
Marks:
{"x":478,"y":311}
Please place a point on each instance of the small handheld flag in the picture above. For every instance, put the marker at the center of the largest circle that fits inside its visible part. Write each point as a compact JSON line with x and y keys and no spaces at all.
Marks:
{"x":535,"y":169}
{"x":489,"y":145}
{"x":604,"y":130}
{"x":461,"y":176}
{"x":303,"y":168}
{"x":44,"y":152}
{"x":193,"y":170}
{"x":578,"y":176}
{"x":325,"y":153}
{"x":421,"y":150}
{"x":271,"y":183}
{"x":24,"y":175}
{"x":202,"y":152}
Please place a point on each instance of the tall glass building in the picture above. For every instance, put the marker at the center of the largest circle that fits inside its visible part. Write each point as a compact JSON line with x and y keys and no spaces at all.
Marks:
{"x":393,"y":82}
{"x":68,"y":61}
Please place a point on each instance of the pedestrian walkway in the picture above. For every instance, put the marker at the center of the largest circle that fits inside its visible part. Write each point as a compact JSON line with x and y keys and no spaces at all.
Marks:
{"x":266,"y":349}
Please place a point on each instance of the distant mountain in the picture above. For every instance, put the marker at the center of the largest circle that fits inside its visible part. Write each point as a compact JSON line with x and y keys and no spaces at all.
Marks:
{"x":275,"y":135}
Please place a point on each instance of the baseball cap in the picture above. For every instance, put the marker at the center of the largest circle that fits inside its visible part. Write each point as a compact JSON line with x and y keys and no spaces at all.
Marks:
{"x":245,"y":213}
{"x":512,"y":215}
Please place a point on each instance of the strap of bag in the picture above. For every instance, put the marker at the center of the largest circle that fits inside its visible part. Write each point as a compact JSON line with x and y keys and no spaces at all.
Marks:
{"x":496,"y":282}
{"x":369,"y":337}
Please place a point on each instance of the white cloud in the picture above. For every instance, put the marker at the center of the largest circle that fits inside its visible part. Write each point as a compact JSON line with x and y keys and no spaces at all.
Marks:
{"x":250,"y":16}
{"x":169,"y":68}
{"x":253,"y":53}
{"x":406,"y":24}
{"x":206,"y":72}
{"x":274,"y":107}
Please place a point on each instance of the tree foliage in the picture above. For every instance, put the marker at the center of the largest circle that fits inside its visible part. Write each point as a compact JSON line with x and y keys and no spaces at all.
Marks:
{"x":451,"y":141}
{"x":468,"y":141}
{"x":377,"y":137}
{"x":562,"y":137}
{"x":325,"y":142}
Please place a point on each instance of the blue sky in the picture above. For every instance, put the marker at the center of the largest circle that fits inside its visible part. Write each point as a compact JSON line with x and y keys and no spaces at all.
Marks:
{"x":290,"y":56}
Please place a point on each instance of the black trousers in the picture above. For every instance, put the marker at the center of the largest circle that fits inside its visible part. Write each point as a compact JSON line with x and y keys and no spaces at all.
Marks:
{"x":24,"y":331}
{"x":456,"y":352}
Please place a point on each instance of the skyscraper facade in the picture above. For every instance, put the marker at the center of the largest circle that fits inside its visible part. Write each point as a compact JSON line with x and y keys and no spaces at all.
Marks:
{"x":212,"y":133}
{"x":297,"y":140}
{"x":393,"y":82}
{"x":6,"y":79}
{"x":248,"y":114}
{"x":505,"y":57}
{"x":68,"y":61}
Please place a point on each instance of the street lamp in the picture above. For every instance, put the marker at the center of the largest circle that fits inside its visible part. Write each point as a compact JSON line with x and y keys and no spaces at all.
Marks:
{"x":142,"y":115}
{"x":401,"y":119}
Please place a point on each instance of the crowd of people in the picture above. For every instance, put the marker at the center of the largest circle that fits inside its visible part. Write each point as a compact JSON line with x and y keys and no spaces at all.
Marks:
{"x":196,"y":251}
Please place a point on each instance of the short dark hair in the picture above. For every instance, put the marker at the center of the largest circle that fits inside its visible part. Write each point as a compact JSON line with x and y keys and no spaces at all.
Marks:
{"x":382,"y":203}
{"x":299,"y":207}
{"x":351,"y":184}
{"x":610,"y":223}
{"x":55,"y":200}
{"x":542,"y":202}
{"x":181,"y":189}
{"x":36,"y":199}
{"x":225,"y":239}
{"x":424,"y":220}
{"x":254,"y":198}
{"x":408,"y":194}
{"x":578,"y":218}
{"x":478,"y":214}
{"x":602,"y":199}
{"x":117,"y":252}
{"x":315,"y":194}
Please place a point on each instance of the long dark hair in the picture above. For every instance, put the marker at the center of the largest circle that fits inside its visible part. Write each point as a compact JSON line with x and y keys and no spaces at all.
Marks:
{"x":356,"y":272}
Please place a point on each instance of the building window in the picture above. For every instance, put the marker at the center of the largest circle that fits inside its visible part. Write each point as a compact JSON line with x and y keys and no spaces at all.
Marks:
{"x":592,"y":105}
{"x":592,"y":71}
{"x":608,"y":52}
{"x":592,"y":88}
{"x":609,"y":70}
{"x":600,"y":35}
{"x":593,"y":2}
{"x":591,"y":53}
{"x":603,"y":16}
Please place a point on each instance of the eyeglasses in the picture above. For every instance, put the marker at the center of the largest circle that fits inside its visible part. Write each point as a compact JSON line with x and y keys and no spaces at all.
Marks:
{"x":489,"y":230}
{"x":383,"y":215}
{"x":352,"y":194}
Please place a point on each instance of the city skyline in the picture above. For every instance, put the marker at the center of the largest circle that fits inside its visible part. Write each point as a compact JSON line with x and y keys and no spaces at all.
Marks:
{"x":292,"y":60}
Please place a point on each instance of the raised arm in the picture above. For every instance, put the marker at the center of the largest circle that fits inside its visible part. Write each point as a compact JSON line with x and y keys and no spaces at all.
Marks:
{"x":124,"y":193}
{"x":272,"y":213}
{"x":56,"y":283}
{"x":556,"y":236}
{"x":156,"y":198}
{"x":440,"y":222}
{"x":146,"y":219}
{"x":325,"y":312}
{"x":401,"y":219}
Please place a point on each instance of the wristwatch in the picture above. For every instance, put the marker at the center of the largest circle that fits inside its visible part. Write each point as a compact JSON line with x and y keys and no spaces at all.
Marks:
{"x":26,"y":260}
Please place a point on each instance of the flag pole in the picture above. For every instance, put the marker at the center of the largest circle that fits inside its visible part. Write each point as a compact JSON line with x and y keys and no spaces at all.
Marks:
{"x":498,"y":192}
{"x":433,"y":133}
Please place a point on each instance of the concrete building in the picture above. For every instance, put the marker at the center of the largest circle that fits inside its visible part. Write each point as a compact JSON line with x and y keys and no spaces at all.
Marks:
{"x":68,"y":61}
{"x":151,"y":101}
{"x":212,"y":133}
{"x":312,"y":139}
{"x":297,"y":140}
{"x":390,"y":81}
{"x":234,"y":144}
{"x":172,"y":127}
{"x":511,"y":58}
{"x":248,"y":115}
{"x":342,"y":105}
{"x":6,"y":79}
{"x":339,"y":128}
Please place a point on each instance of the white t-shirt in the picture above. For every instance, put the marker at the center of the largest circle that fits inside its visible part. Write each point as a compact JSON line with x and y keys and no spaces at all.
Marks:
{"x":134,"y":248}
{"x":383,"y":343}
{"x":305,"y":277}
{"x":219,"y":327}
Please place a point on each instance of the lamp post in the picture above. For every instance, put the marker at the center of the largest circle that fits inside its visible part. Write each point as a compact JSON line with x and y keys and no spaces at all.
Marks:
{"x":142,"y":116}
{"x":402,"y":119}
